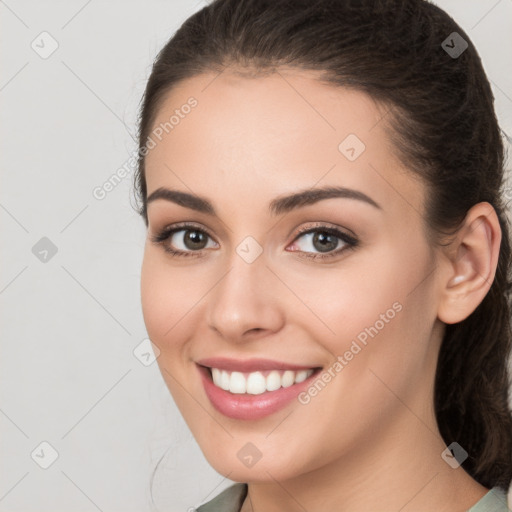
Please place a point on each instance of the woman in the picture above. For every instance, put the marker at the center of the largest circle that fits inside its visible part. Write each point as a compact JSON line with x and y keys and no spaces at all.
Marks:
{"x":326,"y":269}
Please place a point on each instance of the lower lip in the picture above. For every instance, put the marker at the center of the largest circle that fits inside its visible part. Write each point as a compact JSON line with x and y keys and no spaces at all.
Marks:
{"x":246,"y":406}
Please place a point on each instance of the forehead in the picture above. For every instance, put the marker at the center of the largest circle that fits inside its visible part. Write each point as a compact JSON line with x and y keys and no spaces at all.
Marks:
{"x":288,"y":103}
{"x":274,"y":134}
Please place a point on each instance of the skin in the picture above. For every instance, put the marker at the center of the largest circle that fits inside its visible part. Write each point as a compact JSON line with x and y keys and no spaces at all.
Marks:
{"x":369,"y":440}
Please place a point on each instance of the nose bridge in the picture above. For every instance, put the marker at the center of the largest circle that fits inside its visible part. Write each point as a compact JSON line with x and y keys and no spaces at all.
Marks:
{"x":242,"y":301}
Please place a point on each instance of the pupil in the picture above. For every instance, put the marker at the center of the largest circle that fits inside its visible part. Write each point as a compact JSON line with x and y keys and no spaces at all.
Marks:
{"x":195,"y":240}
{"x":322,"y":238}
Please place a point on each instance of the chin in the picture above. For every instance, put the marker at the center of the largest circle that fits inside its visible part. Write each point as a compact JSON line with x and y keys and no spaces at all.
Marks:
{"x":241,"y":460}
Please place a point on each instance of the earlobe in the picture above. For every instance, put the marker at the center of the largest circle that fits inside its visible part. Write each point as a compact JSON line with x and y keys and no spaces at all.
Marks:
{"x":470,"y":270}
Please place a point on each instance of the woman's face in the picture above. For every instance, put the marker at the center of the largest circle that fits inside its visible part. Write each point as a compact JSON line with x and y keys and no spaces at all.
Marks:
{"x":353,"y":299}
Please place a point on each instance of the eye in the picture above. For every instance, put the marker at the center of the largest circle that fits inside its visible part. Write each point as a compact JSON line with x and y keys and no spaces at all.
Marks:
{"x":328,"y":241}
{"x":184,"y":240}
{"x":190,"y":240}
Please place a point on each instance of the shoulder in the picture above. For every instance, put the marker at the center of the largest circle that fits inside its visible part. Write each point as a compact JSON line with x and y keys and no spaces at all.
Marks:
{"x":229,"y":500}
{"x":494,"y":501}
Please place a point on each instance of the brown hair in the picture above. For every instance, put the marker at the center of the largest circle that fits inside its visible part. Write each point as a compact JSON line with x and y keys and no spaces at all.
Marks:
{"x":444,"y":127}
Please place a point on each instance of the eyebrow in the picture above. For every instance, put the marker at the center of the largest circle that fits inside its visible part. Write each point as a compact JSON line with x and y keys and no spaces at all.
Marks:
{"x":277,"y":206}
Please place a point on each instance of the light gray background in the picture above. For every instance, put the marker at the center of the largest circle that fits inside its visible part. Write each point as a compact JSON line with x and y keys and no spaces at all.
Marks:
{"x":69,"y":325}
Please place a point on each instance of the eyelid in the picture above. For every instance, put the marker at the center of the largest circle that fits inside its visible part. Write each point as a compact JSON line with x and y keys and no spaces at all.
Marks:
{"x":180,"y":226}
{"x":319,"y":225}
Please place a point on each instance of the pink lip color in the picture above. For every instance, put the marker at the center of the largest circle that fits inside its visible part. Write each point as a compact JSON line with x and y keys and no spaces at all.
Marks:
{"x":250,"y":365}
{"x":246,"y":406}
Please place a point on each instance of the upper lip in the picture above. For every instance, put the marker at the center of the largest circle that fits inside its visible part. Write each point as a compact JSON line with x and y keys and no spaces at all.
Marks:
{"x":250,"y":365}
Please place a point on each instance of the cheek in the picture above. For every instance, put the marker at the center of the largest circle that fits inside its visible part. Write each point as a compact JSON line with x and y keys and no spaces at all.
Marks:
{"x":168,"y":301}
{"x":340,"y":302}
{"x":372,"y":314}
{"x":167,"y":297}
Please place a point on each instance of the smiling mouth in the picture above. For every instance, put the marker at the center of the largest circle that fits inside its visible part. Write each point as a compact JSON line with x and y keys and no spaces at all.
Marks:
{"x":258,"y":382}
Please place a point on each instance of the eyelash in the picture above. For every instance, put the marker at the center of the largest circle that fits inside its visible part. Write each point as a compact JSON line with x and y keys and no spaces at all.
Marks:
{"x":350,"y":241}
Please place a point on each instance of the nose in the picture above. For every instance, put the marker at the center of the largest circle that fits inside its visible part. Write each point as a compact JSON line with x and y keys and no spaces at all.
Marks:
{"x":244,"y":304}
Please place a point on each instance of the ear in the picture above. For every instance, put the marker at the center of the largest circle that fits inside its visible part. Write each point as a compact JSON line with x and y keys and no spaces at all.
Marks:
{"x":469,"y":264}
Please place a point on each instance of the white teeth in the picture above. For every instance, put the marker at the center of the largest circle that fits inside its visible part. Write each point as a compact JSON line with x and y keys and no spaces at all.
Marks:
{"x":301,"y":376}
{"x":287,"y":379}
{"x":255,"y":383}
{"x":237,"y":383}
{"x":216,"y":376}
{"x":273,"y":381}
{"x":224,"y":380}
